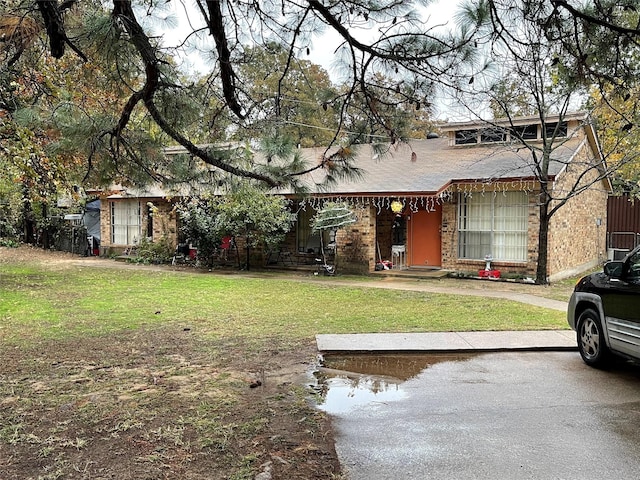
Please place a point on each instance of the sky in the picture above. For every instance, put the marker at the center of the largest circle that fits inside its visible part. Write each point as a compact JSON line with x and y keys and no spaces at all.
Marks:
{"x":440,"y":12}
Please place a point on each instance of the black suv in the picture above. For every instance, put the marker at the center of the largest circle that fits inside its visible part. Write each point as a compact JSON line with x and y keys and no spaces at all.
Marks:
{"x":604,"y":310}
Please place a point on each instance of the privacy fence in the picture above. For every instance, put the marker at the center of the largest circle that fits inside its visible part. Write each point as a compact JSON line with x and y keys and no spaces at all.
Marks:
{"x":623,"y":225}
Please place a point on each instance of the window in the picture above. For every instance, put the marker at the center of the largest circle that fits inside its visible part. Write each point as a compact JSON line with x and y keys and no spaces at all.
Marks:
{"x":494,"y":134}
{"x":519,"y":132}
{"x":493,"y":224}
{"x":466,"y":137}
{"x":308,"y":240}
{"x":125,"y":222}
{"x":554,"y":130}
{"x":525,"y":132}
{"x":633,"y":272}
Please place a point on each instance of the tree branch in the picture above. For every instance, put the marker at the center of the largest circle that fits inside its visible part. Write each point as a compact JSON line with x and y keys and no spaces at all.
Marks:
{"x":227,"y":75}
{"x":54,"y":24}
{"x":124,"y":11}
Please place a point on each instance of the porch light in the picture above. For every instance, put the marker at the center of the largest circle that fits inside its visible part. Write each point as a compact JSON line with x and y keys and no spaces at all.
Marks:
{"x":396,"y":207}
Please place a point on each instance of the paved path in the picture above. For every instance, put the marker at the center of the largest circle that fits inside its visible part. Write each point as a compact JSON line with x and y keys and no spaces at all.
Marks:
{"x":432,"y":286}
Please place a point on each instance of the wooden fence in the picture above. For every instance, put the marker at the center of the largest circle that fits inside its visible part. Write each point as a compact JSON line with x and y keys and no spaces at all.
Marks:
{"x":623,"y":223}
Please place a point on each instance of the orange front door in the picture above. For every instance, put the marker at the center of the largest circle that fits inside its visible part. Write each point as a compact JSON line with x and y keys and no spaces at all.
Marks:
{"x":424,"y":242}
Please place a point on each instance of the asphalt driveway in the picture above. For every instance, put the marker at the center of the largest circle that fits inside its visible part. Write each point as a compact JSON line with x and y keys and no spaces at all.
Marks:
{"x":504,"y":415}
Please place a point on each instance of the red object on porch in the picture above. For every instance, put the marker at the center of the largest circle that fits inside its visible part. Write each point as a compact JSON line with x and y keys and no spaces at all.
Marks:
{"x":489,"y":273}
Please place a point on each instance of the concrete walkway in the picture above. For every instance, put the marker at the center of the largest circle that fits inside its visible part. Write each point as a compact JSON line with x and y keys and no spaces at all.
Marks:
{"x":441,"y":342}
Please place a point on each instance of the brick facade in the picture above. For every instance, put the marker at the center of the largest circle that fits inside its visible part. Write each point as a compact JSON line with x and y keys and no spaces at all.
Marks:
{"x":356,"y":244}
{"x":582,"y":219}
{"x":577,"y":233}
{"x":164,"y":222}
{"x":161,"y":223}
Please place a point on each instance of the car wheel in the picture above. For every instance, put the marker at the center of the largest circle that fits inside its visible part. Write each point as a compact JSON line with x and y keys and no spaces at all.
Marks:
{"x":591,"y":342}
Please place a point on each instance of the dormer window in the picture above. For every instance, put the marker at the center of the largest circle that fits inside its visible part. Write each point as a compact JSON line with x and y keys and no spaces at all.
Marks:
{"x":466,"y":137}
{"x":556,"y":129}
{"x":525,"y":132}
{"x":498,"y":134}
{"x":493,"y":134}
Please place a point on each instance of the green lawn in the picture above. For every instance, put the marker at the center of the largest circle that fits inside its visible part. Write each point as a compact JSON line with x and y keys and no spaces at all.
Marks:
{"x":38,"y":302}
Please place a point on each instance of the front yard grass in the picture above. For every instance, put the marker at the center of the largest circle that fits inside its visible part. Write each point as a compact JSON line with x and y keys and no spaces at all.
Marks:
{"x":138,"y":373}
{"x":41,"y":303}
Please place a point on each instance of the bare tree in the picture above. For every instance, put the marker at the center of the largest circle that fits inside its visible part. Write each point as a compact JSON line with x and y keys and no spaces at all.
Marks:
{"x":528,"y":72}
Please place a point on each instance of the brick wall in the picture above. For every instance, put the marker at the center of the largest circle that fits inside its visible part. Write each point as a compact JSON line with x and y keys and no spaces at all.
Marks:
{"x":164,"y":222}
{"x":105,"y":226}
{"x":577,"y":234}
{"x":450,"y":234}
{"x":356,"y":244}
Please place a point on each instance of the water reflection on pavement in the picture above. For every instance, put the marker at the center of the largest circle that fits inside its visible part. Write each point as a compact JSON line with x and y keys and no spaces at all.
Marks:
{"x":348,"y":381}
{"x":515,"y":415}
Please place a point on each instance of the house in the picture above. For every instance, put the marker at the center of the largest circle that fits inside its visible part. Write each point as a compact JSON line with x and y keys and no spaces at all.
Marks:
{"x":447,"y":202}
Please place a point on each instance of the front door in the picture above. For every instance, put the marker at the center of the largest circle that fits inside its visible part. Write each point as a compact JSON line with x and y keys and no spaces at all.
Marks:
{"x":424,"y":242}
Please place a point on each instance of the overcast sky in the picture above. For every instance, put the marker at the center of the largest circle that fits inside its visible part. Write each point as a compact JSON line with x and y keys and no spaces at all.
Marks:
{"x":323,"y":49}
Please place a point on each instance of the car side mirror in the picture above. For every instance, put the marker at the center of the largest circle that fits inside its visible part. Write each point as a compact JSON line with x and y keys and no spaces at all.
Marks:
{"x":613,"y":269}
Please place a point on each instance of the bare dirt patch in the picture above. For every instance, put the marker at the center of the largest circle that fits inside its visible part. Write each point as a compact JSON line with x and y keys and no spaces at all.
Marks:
{"x":158,"y":403}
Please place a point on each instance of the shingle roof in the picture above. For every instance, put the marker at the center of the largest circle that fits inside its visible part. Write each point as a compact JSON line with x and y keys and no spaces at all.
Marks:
{"x":436,"y":165}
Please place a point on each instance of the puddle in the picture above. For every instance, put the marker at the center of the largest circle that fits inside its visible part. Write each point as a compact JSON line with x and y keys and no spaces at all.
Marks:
{"x":347,"y":381}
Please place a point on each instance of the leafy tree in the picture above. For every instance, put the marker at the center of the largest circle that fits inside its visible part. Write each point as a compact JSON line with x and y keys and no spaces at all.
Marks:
{"x":199,"y":224}
{"x":47,"y":109}
{"x":29,"y":176}
{"x":293,"y":94}
{"x":155,"y":103}
{"x":10,"y":202}
{"x":616,"y":116}
{"x":246,"y":212}
{"x":597,"y":43}
{"x":600,"y":40}
{"x":164,"y":106}
{"x":261,"y":220}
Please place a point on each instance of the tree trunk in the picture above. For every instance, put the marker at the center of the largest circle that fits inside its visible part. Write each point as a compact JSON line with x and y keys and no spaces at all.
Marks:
{"x":543,"y":241}
{"x":44,"y":240}
{"x":28,"y":222}
{"x":247,"y":248}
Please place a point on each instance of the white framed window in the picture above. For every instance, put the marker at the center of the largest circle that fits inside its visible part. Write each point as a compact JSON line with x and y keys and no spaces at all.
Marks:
{"x":493,"y":224}
{"x":125,"y":222}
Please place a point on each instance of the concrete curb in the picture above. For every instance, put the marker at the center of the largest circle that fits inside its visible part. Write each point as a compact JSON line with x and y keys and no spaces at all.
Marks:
{"x":441,"y":342}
